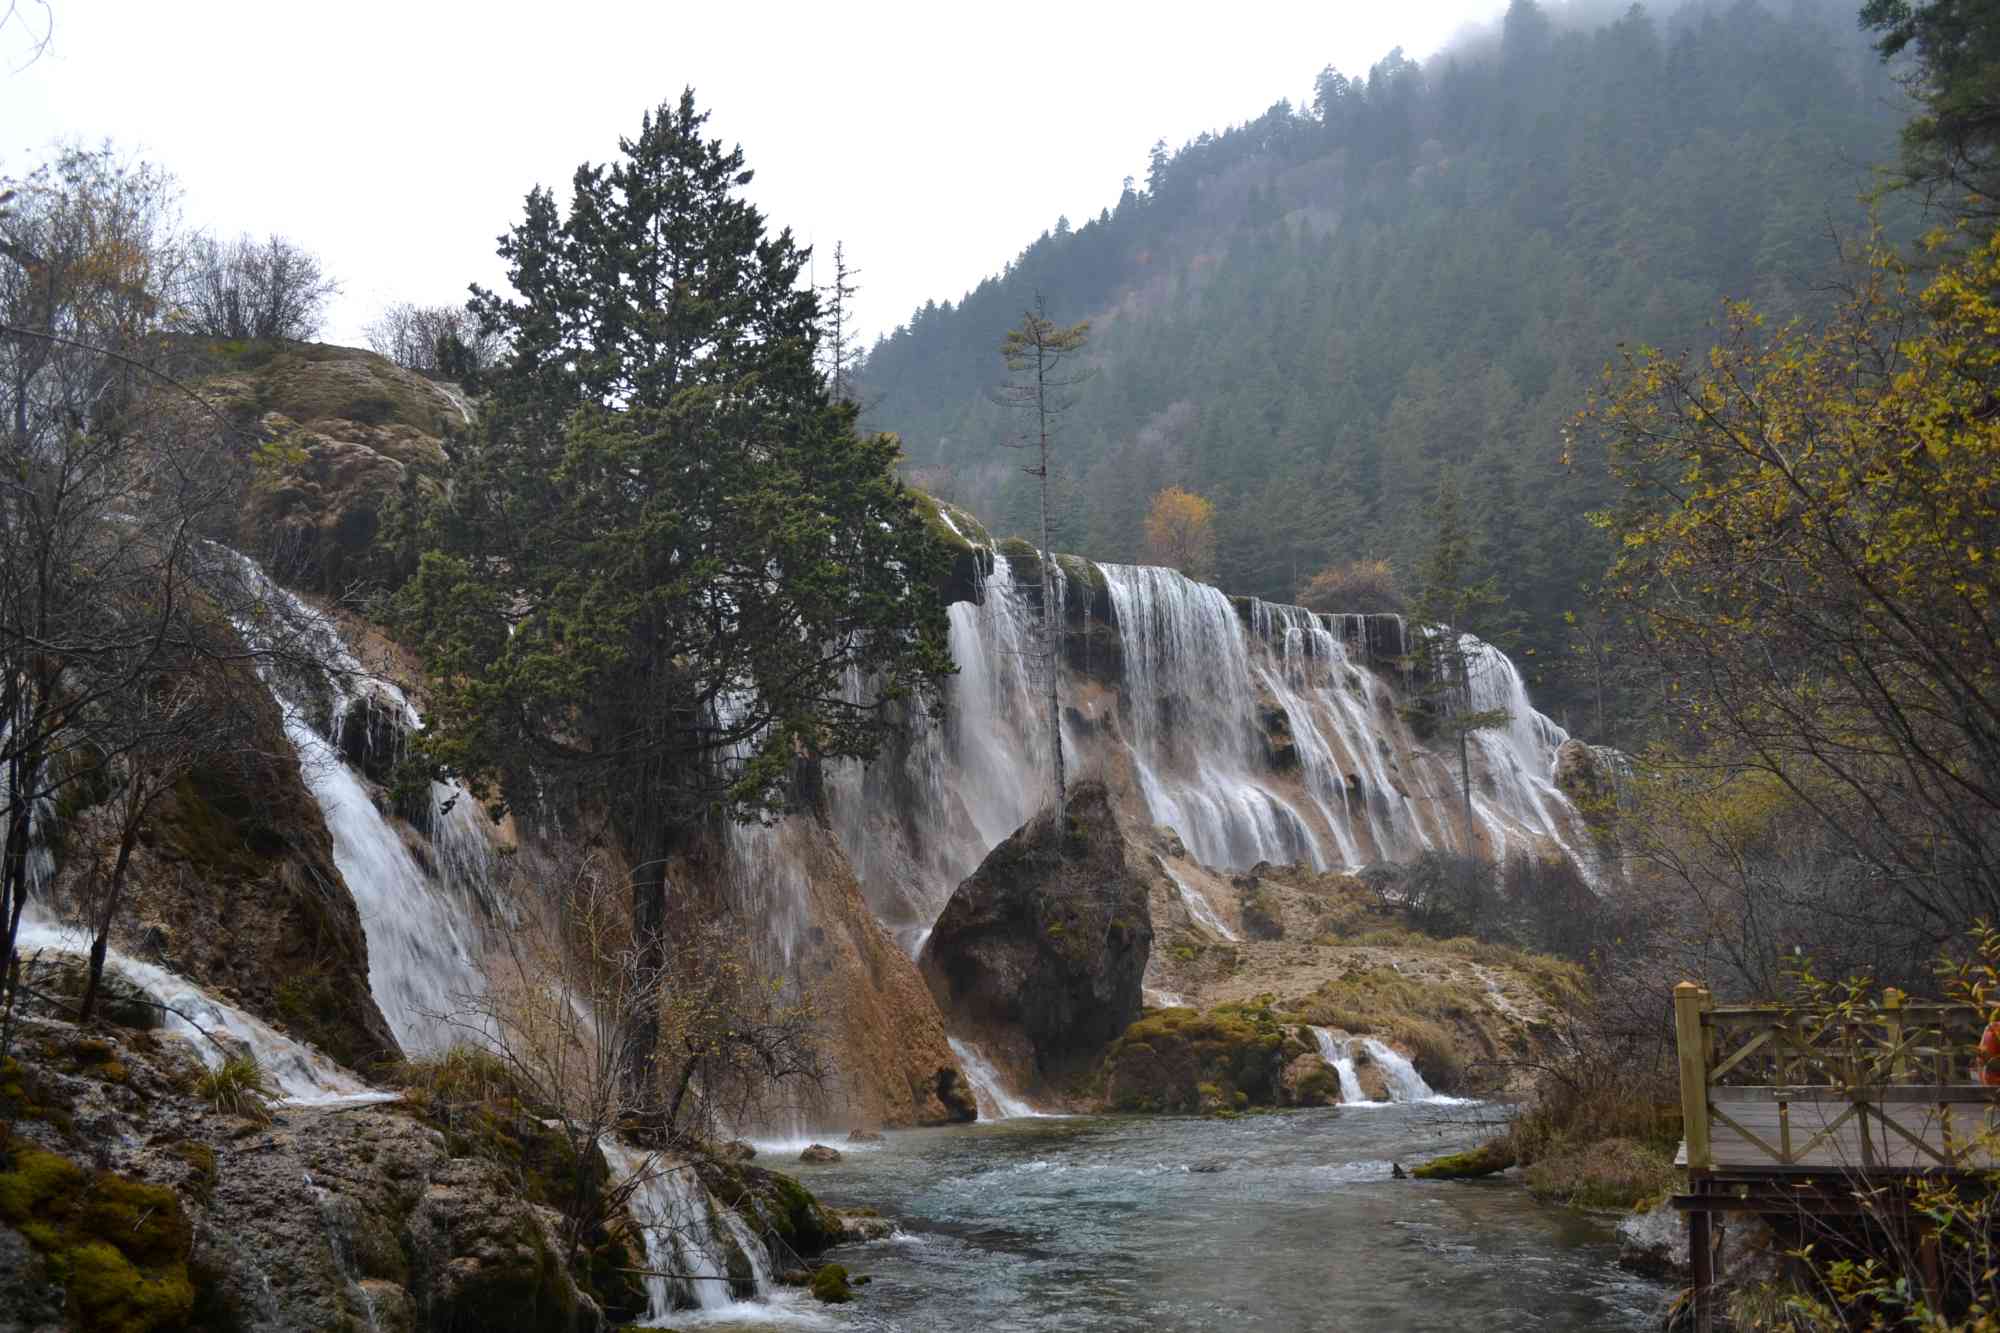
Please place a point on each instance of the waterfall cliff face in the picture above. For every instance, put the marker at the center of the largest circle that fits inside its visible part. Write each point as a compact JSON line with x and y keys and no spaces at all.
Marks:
{"x":1255,"y":731}
{"x":419,"y":913}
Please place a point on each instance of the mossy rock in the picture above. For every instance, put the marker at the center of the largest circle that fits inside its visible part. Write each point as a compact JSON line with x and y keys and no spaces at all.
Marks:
{"x":1178,"y":1059}
{"x":774,"y":1204}
{"x":1489,"y":1158}
{"x":965,"y":538}
{"x":830,"y":1284}
{"x":116,"y":1246}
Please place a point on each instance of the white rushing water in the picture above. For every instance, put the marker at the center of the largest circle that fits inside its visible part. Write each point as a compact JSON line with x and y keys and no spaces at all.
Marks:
{"x":1399,"y":1077}
{"x":995,"y":1102}
{"x":1255,"y":731}
{"x":421,"y":927}
{"x":302,"y":1074}
{"x":677,"y":1218}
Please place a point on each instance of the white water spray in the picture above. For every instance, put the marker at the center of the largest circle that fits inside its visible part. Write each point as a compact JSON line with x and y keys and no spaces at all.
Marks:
{"x":995,"y":1102}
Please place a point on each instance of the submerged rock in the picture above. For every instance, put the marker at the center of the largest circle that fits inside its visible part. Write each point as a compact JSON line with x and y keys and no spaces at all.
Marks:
{"x":1042,"y":951}
{"x":863,"y":1224}
{"x":865,"y":1136}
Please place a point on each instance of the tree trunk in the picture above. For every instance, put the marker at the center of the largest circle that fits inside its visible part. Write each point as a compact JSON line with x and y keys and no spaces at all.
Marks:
{"x":102,"y":943}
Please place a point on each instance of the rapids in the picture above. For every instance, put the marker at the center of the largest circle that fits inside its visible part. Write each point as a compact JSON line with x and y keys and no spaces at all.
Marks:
{"x":1284,"y":1221}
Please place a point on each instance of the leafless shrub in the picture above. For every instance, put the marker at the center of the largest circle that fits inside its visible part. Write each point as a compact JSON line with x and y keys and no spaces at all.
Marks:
{"x":247,"y":288}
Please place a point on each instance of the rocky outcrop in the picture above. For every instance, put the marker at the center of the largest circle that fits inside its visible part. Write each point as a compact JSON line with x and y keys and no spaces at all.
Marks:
{"x":351,"y":1217}
{"x":1588,"y":775}
{"x":892,"y":1062}
{"x":346,"y":433}
{"x":1309,"y":1081}
{"x":1041,"y":952}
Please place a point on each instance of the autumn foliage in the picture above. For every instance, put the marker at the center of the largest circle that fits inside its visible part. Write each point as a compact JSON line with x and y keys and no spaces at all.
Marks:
{"x":1356,"y":587}
{"x":1809,"y":531}
{"x":1180,"y":533}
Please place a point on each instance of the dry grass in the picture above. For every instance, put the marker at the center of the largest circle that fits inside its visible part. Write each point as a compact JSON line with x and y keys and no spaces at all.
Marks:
{"x":239,"y":1087}
{"x":1607,"y":1173}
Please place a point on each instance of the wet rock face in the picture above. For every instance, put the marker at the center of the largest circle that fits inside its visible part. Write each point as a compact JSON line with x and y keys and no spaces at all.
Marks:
{"x":1046,"y":944}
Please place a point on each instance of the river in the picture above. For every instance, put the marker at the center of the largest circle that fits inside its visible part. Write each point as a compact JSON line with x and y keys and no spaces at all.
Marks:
{"x":1289,"y":1221}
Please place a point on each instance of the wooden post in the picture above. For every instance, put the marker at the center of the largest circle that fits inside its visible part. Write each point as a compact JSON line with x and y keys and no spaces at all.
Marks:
{"x":1931,"y":1268}
{"x":1701,"y":1260}
{"x":1689,"y":1001}
{"x":1892,"y":1029}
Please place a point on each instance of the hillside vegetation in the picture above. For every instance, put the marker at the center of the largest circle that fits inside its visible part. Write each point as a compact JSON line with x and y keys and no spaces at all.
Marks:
{"x":1307,"y":317}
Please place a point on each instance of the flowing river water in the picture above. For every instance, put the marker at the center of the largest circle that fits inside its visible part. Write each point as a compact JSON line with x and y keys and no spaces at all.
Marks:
{"x":1288,"y":1221}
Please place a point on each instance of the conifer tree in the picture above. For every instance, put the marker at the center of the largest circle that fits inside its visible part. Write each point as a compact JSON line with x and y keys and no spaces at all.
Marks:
{"x":1449,"y":604}
{"x":1036,"y":351}
{"x":667,"y":553}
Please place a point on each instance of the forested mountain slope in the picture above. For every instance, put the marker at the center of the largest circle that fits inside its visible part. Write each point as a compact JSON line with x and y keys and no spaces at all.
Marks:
{"x":1308,"y":317}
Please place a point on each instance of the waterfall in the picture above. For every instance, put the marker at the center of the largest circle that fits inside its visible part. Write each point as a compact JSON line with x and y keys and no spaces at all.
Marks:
{"x":421,"y":931}
{"x":1197,"y":902}
{"x":1256,"y":731}
{"x":1334,"y":1052}
{"x":920,"y":818}
{"x":1404,"y":1084}
{"x":1190,"y":694}
{"x":302,"y":1074}
{"x":677,"y":1219}
{"x":995,"y":1102}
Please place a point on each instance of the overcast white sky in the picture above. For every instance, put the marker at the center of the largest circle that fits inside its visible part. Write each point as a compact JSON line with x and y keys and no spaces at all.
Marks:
{"x":397,"y":140}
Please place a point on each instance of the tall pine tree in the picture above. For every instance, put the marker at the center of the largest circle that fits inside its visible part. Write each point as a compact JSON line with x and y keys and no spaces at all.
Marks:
{"x":667,"y":553}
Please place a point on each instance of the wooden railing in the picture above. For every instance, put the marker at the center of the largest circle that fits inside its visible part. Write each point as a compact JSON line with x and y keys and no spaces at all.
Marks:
{"x":1887,"y":1087}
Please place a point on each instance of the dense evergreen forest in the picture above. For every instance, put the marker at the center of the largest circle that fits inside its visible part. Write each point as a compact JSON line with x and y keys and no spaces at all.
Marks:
{"x":1310,"y":317}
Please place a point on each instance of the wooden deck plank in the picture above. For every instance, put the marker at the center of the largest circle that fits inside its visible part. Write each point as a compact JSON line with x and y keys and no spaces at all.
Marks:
{"x":1842,"y":1150}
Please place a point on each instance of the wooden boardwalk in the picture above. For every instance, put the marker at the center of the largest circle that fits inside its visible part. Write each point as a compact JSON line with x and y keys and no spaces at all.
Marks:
{"x":1789,"y":1111}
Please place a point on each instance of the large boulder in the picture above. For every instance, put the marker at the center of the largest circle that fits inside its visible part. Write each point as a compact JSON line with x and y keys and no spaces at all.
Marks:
{"x":1041,"y":953}
{"x":1231,"y":1057}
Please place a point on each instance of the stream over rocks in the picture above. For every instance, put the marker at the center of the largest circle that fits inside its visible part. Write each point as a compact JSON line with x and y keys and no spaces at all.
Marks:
{"x":1284,"y":1221}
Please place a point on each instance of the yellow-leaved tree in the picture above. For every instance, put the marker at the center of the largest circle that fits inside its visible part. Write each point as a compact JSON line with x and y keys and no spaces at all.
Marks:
{"x":1809,"y":530}
{"x":1180,"y":533}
